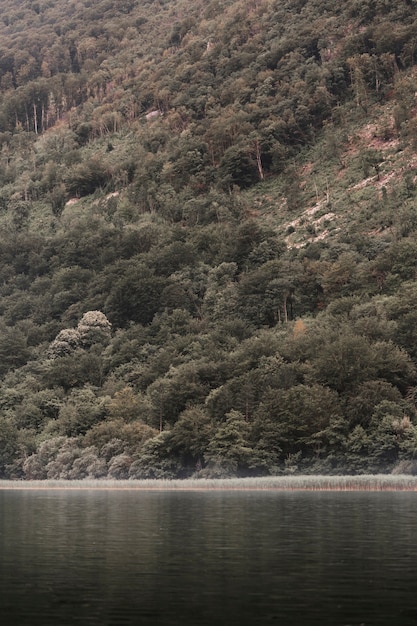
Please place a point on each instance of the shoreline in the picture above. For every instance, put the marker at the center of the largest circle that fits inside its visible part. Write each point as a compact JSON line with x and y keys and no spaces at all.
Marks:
{"x":361,"y":482}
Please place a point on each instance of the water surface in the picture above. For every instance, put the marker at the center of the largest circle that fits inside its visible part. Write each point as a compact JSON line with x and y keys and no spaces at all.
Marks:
{"x":207,"y":558}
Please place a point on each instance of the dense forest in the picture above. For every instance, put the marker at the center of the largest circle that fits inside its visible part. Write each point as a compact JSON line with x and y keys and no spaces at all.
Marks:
{"x":208,"y":238}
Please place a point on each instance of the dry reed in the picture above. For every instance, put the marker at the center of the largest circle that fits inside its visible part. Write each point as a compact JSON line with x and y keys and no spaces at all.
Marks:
{"x":380,"y":482}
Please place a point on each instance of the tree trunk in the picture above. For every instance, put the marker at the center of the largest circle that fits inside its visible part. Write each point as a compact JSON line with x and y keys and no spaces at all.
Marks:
{"x":259,"y":160}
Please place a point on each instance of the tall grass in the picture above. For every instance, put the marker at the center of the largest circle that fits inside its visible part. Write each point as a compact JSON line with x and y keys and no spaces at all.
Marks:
{"x":380,"y":482}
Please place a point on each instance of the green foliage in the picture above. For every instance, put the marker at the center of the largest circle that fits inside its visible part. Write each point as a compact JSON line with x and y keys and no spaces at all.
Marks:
{"x":155,"y":460}
{"x":8,"y":444}
{"x":208,"y":238}
{"x":228,"y":453}
{"x":83,"y":179}
{"x":14,"y":351}
{"x":237,"y":168}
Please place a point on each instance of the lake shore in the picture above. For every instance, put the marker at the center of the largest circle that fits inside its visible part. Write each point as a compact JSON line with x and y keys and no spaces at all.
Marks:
{"x":377,"y":482}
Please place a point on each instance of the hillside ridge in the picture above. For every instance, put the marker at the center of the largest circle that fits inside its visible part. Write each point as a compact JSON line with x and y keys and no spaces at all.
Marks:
{"x":208,"y":238}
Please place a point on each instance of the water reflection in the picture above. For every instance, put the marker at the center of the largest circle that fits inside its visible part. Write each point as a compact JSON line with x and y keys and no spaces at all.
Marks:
{"x":194,"y":558}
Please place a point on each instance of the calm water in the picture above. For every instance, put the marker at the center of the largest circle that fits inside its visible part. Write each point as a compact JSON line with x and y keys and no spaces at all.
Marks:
{"x":204,"y":558}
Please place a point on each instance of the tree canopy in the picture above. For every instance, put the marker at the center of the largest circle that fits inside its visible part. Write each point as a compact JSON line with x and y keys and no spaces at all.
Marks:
{"x":208,"y":238}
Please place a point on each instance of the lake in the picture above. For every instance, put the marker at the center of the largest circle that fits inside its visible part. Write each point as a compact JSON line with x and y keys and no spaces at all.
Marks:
{"x":196,"y":558}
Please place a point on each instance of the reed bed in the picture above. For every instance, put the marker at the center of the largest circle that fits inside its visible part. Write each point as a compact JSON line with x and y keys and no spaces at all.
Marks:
{"x":363,"y":482}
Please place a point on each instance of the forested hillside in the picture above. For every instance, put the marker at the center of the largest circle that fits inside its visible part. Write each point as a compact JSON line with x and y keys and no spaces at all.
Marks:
{"x":208,"y":237}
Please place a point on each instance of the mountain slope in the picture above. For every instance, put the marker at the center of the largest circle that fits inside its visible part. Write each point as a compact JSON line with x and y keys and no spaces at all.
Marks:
{"x":208,"y":243}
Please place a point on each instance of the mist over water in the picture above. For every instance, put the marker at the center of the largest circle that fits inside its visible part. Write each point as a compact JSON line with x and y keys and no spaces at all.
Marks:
{"x":200,"y":558}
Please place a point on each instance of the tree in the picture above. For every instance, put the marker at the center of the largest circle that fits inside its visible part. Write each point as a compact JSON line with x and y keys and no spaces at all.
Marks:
{"x":229,"y":452}
{"x":135,"y":295}
{"x":237,"y":167}
{"x":302,"y":418}
{"x":356,"y":450}
{"x":80,"y":412}
{"x":171,"y":394}
{"x":155,"y":460}
{"x":61,"y":465}
{"x":114,"y":436}
{"x":14,"y":351}
{"x":94,"y":327}
{"x":119,"y":466}
{"x":345,"y":361}
{"x":387,"y":430}
{"x":73,"y":370}
{"x":66,"y":341}
{"x":35,"y":465}
{"x":360,"y":406}
{"x":191,"y":435}
{"x":126,"y":405}
{"x":220,"y":295}
{"x":88,"y":465}
{"x":83,"y":179}
{"x":266,"y":294}
{"x":9,"y":446}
